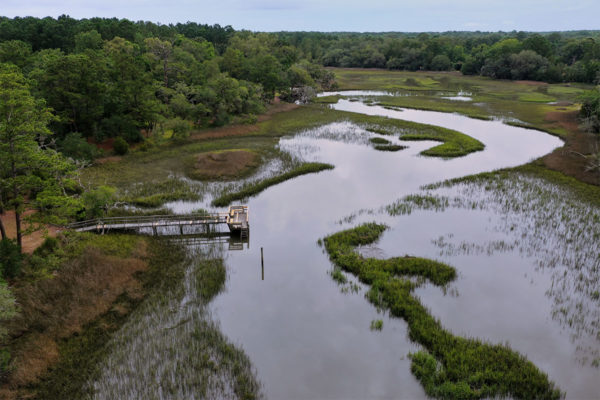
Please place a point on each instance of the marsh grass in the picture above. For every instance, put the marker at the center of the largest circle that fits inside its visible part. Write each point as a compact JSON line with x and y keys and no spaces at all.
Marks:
{"x":492,"y":98}
{"x":390,"y":147}
{"x":326,"y":99}
{"x":376,"y":325}
{"x":155,"y":194}
{"x":449,"y":367}
{"x":556,"y":220}
{"x":255,"y":188}
{"x":407,"y":204}
{"x":338,"y":276}
{"x":69,"y":317}
{"x":170,"y":345}
{"x":455,"y":144}
{"x":378,"y":140}
{"x":231,"y":164}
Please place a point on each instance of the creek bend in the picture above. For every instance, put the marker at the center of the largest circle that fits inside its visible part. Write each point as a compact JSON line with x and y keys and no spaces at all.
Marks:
{"x":308,"y":338}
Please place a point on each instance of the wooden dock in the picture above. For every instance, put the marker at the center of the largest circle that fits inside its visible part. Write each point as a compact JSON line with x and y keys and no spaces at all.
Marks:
{"x":236,"y":220}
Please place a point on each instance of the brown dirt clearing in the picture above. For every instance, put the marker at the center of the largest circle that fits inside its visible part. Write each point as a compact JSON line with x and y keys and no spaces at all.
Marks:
{"x":31,"y":241}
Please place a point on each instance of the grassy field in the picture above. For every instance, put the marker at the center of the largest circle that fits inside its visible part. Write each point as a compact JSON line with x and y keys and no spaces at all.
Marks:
{"x":513,"y":100}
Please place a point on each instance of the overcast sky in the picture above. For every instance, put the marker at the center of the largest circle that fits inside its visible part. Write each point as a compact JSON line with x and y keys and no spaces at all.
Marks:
{"x":333,"y":15}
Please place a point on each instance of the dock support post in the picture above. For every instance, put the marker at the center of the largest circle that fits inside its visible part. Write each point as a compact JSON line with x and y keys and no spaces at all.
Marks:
{"x":181,"y":230}
{"x":262,"y":264}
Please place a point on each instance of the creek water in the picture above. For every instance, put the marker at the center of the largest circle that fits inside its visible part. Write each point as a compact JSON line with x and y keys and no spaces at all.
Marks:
{"x":310,"y":338}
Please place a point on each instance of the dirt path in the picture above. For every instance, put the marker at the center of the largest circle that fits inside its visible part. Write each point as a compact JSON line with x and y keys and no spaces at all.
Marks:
{"x":566,"y":159}
{"x":32,"y":241}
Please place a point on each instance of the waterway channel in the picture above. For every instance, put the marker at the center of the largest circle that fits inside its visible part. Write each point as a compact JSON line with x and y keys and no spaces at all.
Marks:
{"x":310,"y":338}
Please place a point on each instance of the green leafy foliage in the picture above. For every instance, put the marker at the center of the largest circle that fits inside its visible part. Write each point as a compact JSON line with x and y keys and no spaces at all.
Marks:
{"x":590,"y":111}
{"x":30,"y":172}
{"x":11,"y":259}
{"x":121,"y":147}
{"x":97,"y":201}
{"x":76,"y":147}
{"x":451,"y":367}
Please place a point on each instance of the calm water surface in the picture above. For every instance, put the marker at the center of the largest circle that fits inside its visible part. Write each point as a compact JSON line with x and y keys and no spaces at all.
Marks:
{"x":308,"y":338}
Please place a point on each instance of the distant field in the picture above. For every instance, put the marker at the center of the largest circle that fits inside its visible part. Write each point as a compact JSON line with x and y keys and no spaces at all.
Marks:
{"x":518,"y":101}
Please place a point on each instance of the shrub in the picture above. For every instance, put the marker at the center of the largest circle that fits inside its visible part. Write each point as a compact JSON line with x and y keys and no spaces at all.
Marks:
{"x":76,"y":147}
{"x":97,"y":201}
{"x":11,"y":259}
{"x":49,"y":246}
{"x":180,"y":127}
{"x":590,"y":111}
{"x":121,"y":146}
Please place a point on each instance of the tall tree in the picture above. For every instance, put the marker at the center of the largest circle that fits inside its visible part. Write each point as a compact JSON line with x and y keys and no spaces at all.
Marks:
{"x":25,"y":168}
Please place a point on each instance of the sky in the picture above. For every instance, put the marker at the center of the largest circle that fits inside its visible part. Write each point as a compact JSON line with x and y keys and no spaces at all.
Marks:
{"x":333,"y":15}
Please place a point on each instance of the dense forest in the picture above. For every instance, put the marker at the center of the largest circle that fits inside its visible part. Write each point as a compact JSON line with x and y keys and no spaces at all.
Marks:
{"x":551,"y":57}
{"x":118,"y":78}
{"x":115,"y":78}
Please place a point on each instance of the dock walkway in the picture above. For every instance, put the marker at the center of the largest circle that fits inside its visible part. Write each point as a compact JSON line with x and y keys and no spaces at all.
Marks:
{"x":236,"y":219}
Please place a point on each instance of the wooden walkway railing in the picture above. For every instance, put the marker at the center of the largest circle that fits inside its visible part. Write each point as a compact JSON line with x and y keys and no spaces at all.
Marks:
{"x":102,"y":225}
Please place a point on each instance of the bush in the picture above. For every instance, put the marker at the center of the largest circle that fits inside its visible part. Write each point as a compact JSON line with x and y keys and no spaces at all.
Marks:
{"x":76,"y":147}
{"x":590,"y":111}
{"x":121,"y":147}
{"x":11,"y":259}
{"x":48,"y":247}
{"x":180,"y":127}
{"x":97,"y":201}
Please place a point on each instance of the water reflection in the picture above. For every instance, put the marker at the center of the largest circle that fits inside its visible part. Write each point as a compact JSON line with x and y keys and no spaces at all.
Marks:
{"x":310,"y":338}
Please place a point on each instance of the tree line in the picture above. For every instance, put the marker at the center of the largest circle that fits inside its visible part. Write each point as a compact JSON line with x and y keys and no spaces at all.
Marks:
{"x":551,"y":57}
{"x":107,"y":78}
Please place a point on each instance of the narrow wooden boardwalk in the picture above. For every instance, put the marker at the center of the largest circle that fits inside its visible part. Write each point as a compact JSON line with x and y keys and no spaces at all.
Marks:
{"x":236,"y":220}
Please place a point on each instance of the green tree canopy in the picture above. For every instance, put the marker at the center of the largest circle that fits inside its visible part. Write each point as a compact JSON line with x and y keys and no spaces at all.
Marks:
{"x":27,"y":170}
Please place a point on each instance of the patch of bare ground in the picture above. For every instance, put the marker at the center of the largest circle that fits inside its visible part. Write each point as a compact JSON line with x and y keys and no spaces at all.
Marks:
{"x":56,"y":308}
{"x":31,"y":241}
{"x":568,"y":159}
{"x":222,"y":164}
